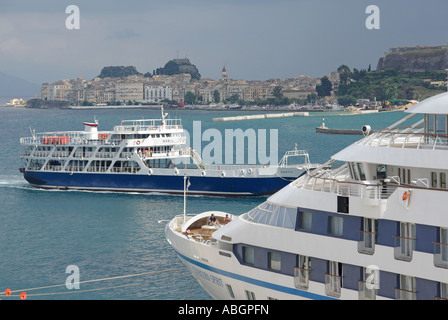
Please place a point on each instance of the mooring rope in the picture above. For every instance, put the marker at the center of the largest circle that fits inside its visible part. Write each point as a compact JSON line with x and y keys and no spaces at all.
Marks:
{"x":95,"y":280}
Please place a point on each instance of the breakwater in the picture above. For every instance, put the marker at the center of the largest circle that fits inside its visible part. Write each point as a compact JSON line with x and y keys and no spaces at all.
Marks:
{"x":262,"y":116}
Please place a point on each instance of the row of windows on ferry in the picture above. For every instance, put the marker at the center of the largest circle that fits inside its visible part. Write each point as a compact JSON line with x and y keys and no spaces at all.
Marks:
{"x":144,"y":136}
{"x":405,"y":238}
{"x":88,"y":152}
{"x":126,"y":166}
{"x":428,"y":178}
{"x":337,"y":276}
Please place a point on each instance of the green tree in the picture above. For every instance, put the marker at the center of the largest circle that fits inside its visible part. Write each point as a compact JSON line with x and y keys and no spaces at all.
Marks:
{"x":216,"y":96}
{"x":324,"y":89}
{"x":277,"y":92}
{"x":312,"y":97}
{"x":344,"y":74}
{"x":346,"y":100}
{"x":190,"y":98}
{"x":234,"y":98}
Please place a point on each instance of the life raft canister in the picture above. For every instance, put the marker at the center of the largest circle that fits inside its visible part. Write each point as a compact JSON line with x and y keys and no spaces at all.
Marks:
{"x":406,"y":195}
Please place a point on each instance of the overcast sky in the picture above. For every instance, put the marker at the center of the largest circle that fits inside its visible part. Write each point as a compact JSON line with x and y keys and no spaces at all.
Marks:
{"x":254,"y":39}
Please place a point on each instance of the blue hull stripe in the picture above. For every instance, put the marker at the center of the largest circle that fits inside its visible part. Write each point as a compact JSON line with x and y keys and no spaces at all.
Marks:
{"x":167,"y":183}
{"x":260,"y":283}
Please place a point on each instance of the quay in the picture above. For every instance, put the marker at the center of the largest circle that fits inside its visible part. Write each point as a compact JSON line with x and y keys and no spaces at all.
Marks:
{"x":366,"y":130}
{"x":338,"y":131}
{"x":262,"y":116}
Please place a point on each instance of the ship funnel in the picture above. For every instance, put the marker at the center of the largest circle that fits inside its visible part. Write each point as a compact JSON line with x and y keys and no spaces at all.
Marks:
{"x":91,"y":130}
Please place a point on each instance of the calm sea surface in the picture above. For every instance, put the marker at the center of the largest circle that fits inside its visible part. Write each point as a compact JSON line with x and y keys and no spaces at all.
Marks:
{"x":111,"y":235}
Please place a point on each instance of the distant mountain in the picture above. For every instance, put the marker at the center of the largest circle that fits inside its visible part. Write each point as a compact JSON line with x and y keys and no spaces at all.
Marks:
{"x":11,"y":86}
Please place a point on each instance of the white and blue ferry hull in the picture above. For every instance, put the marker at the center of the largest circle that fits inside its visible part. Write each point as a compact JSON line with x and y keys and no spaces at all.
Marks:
{"x":169,"y":183}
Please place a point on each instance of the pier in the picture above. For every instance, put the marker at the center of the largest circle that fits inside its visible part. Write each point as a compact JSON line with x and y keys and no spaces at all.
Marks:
{"x":262,"y":116}
{"x":338,"y":131}
{"x":366,"y":130}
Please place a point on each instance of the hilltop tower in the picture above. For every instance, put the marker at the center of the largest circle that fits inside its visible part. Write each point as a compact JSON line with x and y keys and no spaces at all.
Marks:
{"x":224,"y":73}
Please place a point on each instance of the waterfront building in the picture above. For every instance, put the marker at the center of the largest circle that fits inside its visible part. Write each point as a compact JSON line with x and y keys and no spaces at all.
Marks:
{"x":157,"y":93}
{"x":126,"y":90}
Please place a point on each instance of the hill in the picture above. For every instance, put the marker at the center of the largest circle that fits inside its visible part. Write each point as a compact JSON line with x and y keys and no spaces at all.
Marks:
{"x":388,"y":85}
{"x":415,"y":59}
{"x":12,"y":86}
{"x":179,"y":66}
{"x":118,"y":72}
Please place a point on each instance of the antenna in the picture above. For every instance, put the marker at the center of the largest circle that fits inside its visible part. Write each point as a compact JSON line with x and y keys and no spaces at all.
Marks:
{"x":186,"y":186}
{"x":33,"y":133}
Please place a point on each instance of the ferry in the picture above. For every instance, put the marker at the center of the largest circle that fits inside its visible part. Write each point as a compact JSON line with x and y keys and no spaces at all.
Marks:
{"x":148,"y":156}
{"x":374,"y":227}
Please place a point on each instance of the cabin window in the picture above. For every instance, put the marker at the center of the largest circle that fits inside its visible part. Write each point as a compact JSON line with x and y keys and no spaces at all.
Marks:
{"x":434,"y":179}
{"x":430,"y":123}
{"x":305,"y":220}
{"x":250,"y":295}
{"x":248,"y":255}
{"x":274,"y":261}
{"x":368,"y":287}
{"x":362,"y":175}
{"x":336,"y":225}
{"x":405,"y":242}
{"x":333,"y":279}
{"x":444,"y":291}
{"x":368,"y":236}
{"x":407,"y":289}
{"x":230,"y":290}
{"x":381,"y":171}
{"x":441,"y":249}
{"x":443,"y":180}
{"x":302,"y":272}
{"x":440,"y":124}
{"x":353,"y":173}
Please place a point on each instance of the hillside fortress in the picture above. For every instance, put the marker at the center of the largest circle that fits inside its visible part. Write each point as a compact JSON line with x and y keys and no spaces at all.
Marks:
{"x":415,"y":59}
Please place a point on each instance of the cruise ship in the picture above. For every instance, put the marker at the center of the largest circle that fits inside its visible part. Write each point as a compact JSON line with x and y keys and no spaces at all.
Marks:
{"x":372,"y":228}
{"x":149,"y":156}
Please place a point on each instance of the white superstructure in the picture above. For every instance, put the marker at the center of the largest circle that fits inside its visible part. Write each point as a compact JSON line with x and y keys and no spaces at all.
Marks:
{"x":375,"y":227}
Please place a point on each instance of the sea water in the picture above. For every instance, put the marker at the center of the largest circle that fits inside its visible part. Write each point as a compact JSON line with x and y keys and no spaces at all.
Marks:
{"x":116,"y":241}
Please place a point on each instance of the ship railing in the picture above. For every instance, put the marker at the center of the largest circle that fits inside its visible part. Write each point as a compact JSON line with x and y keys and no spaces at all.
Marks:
{"x":294,"y":153}
{"x":148,"y":125}
{"x":125,"y":169}
{"x":410,"y":137}
{"x":179,"y":220}
{"x":402,"y":294}
{"x":337,"y":181}
{"x":60,"y":154}
{"x":49,"y":167}
{"x":68,"y":138}
{"x":105,"y":155}
{"x":41,"y":154}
